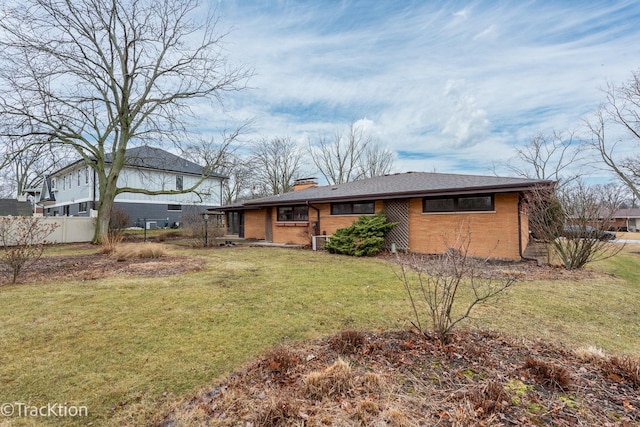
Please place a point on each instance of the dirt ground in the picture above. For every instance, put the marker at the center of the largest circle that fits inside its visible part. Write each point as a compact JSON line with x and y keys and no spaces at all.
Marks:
{"x":96,"y":266}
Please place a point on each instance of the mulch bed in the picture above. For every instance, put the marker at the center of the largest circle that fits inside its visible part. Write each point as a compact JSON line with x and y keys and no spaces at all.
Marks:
{"x":96,"y":266}
{"x":401,"y":378}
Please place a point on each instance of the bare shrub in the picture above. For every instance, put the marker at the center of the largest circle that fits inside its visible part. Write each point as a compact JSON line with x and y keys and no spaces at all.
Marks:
{"x":548,"y":374}
{"x":23,"y":240}
{"x":435,"y":284}
{"x":573,"y":222}
{"x":348,"y":342}
{"x":625,"y":367}
{"x":202,"y":232}
{"x":119,"y":218}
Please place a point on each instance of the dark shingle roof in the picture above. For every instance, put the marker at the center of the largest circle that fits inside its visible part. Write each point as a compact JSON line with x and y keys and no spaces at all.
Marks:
{"x":152,"y":158}
{"x":156,"y":158}
{"x":401,"y":185}
{"x":15,"y":207}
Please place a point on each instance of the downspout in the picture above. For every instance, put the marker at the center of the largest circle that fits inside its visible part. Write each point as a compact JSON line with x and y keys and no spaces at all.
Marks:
{"x":317,"y":230}
{"x":93,"y":198}
{"x":521,"y":249}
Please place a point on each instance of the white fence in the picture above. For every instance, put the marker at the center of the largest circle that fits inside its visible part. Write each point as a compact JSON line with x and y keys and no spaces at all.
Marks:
{"x":69,"y":229}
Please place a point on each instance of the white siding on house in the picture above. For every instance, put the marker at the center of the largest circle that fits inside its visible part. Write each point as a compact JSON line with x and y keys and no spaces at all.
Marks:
{"x":166,"y":181}
{"x":67,"y":190}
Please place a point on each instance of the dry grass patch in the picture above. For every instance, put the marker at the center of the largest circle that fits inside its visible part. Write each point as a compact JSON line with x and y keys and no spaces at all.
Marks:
{"x":142,"y":251}
{"x":335,"y":380}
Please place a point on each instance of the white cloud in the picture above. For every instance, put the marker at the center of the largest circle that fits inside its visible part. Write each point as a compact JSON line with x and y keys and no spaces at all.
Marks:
{"x":461,"y":85}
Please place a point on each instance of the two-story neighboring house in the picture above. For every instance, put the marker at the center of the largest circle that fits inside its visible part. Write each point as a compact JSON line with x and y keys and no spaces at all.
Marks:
{"x":73,"y":190}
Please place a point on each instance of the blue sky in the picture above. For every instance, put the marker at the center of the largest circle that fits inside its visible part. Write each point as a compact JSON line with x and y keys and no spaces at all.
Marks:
{"x":448,"y":86}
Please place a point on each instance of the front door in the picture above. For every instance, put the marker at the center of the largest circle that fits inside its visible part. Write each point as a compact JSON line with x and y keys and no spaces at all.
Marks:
{"x":235,"y":223}
{"x":268,"y":231}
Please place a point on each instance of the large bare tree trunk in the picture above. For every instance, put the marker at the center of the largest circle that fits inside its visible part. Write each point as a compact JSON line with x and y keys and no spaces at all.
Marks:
{"x":102,"y":75}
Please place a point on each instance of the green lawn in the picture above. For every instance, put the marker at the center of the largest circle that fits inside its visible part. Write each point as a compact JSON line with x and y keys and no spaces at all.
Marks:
{"x":127,"y":347}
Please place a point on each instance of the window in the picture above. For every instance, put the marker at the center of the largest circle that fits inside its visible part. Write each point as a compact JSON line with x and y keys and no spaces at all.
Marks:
{"x":174,"y":207}
{"x":458,"y":204}
{"x":86,"y":175}
{"x":479,"y":203}
{"x":293,"y":213}
{"x":179,"y":182}
{"x":53,"y":183}
{"x":65,"y":210}
{"x":82,"y":207}
{"x":439,"y":205}
{"x":79,"y":172}
{"x":356,"y":208}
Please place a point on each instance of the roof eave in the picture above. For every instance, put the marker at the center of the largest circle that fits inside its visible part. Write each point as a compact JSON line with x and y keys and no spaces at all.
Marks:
{"x":508,"y":188}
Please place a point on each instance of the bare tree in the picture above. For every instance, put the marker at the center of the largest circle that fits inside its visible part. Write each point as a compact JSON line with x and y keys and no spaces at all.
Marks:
{"x":448,"y":286}
{"x":377,"y":161}
{"x":616,"y":127}
{"x":23,"y":164}
{"x":574,"y":221}
{"x":100,"y":75}
{"x":239,"y":173}
{"x":350,"y":157}
{"x":276,"y":162}
{"x":222,"y":158}
{"x":554,"y":157}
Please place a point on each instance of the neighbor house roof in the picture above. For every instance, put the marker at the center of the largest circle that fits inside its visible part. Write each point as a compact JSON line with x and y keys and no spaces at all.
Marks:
{"x":627,"y":213}
{"x":157,"y":158}
{"x":154,"y":158}
{"x":400,"y":185}
{"x":15,"y":207}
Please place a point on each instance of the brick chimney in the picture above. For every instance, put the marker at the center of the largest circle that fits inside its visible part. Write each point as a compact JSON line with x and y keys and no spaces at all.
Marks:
{"x":304,"y":183}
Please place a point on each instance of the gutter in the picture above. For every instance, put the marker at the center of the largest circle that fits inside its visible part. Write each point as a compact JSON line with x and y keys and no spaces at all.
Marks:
{"x":521,"y":249}
{"x":274,"y":200}
{"x":317,"y":227}
{"x":93,"y":196}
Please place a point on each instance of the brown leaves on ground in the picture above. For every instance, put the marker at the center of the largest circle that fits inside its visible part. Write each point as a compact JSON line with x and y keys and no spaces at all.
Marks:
{"x":96,"y":266}
{"x":402,"y":379}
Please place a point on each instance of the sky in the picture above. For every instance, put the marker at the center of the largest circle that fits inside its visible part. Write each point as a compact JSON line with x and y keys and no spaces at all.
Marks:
{"x":448,"y":86}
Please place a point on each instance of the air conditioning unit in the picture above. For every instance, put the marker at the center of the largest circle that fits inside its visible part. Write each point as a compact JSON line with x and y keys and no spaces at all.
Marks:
{"x":152,"y":225}
{"x":318,"y":242}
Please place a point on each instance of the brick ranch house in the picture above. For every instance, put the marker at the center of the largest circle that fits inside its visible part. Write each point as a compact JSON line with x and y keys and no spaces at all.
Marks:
{"x":430,"y":209}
